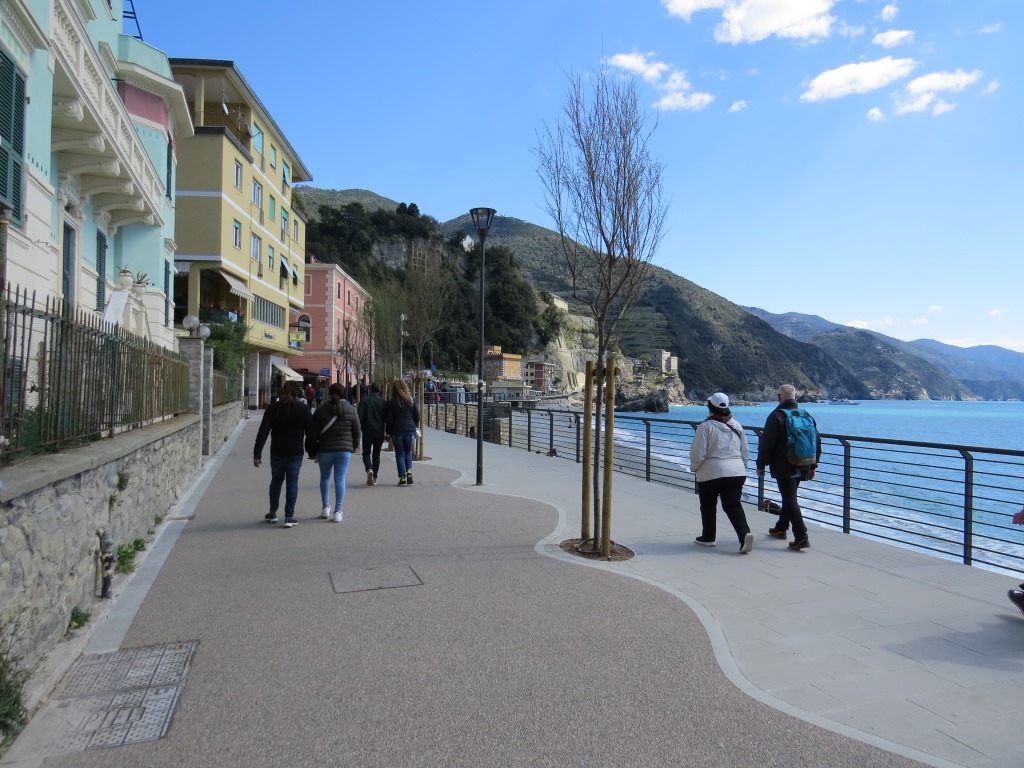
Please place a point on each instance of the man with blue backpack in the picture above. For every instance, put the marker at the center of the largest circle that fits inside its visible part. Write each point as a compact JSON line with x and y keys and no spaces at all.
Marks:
{"x":790,"y":448}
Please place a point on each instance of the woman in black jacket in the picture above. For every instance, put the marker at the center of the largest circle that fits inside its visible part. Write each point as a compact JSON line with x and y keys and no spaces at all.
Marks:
{"x":403,"y":419}
{"x":289,"y":424}
{"x":337,"y":429}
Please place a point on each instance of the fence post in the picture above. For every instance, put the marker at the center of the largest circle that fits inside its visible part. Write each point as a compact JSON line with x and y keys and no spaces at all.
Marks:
{"x":193,"y":348}
{"x":529,"y":431}
{"x":647,"y":472}
{"x":207,"y":411}
{"x":968,"y":506}
{"x":847,"y":473}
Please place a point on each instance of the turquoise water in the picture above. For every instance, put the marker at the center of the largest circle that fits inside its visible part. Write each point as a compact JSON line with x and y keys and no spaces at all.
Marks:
{"x":978,"y":424}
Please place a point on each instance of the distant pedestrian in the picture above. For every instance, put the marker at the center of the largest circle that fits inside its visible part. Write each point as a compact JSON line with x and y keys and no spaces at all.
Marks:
{"x":718,"y":460}
{"x":372,"y":413}
{"x":337,"y":437}
{"x":403,"y":420}
{"x":288,"y":423}
{"x":319,"y":396}
{"x":771,"y":453}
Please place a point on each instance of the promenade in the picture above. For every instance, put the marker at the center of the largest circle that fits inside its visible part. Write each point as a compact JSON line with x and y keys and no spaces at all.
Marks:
{"x":441,"y":625}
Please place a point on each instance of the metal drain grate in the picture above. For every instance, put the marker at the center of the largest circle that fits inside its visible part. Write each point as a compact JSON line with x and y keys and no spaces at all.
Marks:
{"x":112,"y":699}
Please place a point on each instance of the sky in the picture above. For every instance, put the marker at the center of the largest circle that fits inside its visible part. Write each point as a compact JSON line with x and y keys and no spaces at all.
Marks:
{"x":860,"y":160}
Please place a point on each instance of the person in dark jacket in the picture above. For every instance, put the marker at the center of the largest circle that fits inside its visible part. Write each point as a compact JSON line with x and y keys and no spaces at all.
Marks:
{"x":403,"y":419}
{"x":771,"y":453}
{"x":289,"y":425}
{"x":372,"y":413}
{"x":337,"y":436}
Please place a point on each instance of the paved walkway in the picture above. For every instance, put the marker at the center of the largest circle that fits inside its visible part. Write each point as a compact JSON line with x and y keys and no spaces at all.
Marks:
{"x":441,"y":625}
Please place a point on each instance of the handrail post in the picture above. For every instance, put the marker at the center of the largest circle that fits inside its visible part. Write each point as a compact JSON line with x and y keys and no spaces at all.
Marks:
{"x":647,"y":458}
{"x":968,"y":506}
{"x":577,"y":439}
{"x":551,"y":432}
{"x":847,"y":489}
{"x":529,"y":431}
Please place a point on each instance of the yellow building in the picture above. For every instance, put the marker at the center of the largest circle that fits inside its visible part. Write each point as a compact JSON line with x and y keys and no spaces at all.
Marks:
{"x":241,"y":244}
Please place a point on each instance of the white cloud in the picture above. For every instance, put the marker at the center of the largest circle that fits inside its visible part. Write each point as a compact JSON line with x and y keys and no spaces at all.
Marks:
{"x":875,"y":114}
{"x":935,"y":308}
{"x":921,"y":91}
{"x":920,"y":321}
{"x":857,"y":78}
{"x":889,"y":12}
{"x":991,"y":28}
{"x":861,"y":324}
{"x":991,"y":88}
{"x":846,"y":30}
{"x":738,"y":106}
{"x":997,"y":312}
{"x":748,"y":21}
{"x":867,"y":325}
{"x":638,"y":64}
{"x":686,"y":8}
{"x":893,"y":37}
{"x":676,"y":100}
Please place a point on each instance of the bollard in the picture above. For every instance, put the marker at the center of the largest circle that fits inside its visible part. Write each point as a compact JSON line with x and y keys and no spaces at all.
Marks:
{"x":106,"y":561}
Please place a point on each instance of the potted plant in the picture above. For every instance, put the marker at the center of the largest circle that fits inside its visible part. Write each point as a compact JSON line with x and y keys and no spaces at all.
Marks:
{"x":139,"y":283}
{"x":125,"y":279}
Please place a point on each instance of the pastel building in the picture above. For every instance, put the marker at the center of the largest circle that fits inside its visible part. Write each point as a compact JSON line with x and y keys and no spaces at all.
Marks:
{"x":336,"y":346}
{"x":241,"y":243}
{"x":90,"y":122}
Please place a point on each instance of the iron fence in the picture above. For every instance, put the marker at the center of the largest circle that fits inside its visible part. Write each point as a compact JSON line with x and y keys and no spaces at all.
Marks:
{"x":226,"y":388}
{"x":952,"y":501}
{"x":67,"y":377}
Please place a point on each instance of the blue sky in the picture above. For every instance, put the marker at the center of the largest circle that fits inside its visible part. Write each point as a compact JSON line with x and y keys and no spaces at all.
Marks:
{"x":860,"y":160}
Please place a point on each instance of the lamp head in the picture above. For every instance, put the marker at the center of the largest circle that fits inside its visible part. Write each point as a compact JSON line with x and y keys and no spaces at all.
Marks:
{"x":190,"y":323}
{"x":482,"y":218}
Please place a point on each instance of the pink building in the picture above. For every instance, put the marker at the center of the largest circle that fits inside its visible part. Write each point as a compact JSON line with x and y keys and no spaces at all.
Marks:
{"x":335,"y":344}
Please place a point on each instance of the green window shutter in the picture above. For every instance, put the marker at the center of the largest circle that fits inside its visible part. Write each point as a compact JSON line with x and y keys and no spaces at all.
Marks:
{"x":101,"y":271}
{"x":12,"y":134}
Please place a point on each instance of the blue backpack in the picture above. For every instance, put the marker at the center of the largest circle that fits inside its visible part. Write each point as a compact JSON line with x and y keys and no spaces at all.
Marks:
{"x":801,"y":438}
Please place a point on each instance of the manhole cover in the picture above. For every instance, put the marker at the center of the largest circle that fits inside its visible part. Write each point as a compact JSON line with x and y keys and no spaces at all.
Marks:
{"x":367,"y":579}
{"x":112,"y":699}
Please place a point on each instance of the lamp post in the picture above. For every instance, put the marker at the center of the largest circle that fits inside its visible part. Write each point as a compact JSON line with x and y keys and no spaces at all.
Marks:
{"x":348,"y":324}
{"x":482,"y":218}
{"x":401,"y":343}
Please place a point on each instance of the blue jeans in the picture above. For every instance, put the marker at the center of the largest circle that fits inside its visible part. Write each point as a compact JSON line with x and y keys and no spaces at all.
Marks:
{"x":403,"y":451}
{"x":282,"y":468}
{"x":338,"y":462}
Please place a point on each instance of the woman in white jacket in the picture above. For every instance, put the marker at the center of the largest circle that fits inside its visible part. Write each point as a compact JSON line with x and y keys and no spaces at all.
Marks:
{"x":718,"y":459}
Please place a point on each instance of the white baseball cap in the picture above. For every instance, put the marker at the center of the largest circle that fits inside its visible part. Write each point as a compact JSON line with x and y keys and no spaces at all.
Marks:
{"x":719,"y":400}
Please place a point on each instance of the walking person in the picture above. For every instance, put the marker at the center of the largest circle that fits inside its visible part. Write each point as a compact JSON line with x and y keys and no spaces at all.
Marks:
{"x":403,"y":420}
{"x":372,"y":412}
{"x":337,"y":436}
{"x":718,"y":459}
{"x":288,"y":423}
{"x":772,"y":453}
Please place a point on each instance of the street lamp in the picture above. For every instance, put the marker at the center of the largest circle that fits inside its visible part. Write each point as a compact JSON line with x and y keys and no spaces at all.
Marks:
{"x":401,"y":343}
{"x":482,"y":218}
{"x":195,"y":329}
{"x":348,"y":324}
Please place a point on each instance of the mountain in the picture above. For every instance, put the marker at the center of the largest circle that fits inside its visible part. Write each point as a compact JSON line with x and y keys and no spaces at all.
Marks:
{"x":891,"y":366}
{"x":314,"y":197}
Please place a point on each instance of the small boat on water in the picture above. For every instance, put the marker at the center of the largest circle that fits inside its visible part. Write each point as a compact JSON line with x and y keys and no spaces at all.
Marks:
{"x":842,"y":401}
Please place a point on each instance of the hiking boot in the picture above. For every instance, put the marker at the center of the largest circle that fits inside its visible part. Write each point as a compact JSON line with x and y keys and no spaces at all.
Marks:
{"x":369,"y":477}
{"x":704,"y":542}
{"x":408,"y":478}
{"x":799,"y":544}
{"x":325,"y":513}
{"x":748,"y":544}
{"x":401,"y":481}
{"x":270,"y":517}
{"x":1017,"y":598}
{"x":289,"y":522}
{"x":777,"y":533}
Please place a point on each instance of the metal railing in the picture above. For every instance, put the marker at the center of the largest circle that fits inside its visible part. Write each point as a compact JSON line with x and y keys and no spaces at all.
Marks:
{"x":68,"y":378}
{"x":225,"y":388}
{"x":948,"y":500}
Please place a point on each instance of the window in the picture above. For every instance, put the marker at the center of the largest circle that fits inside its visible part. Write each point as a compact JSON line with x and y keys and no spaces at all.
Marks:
{"x":12,"y":134}
{"x":255,"y":248}
{"x":257,"y":138}
{"x":272,"y":204}
{"x":266,"y":312}
{"x":238,"y":175}
{"x":236,"y":234}
{"x":270,"y":257}
{"x":295,"y":230}
{"x":169,"y":183}
{"x":339,"y":290}
{"x":286,"y":176}
{"x":101,"y":271}
{"x":257,"y":194}
{"x":350,"y":298}
{"x":284,"y":224}
{"x":273,"y":156}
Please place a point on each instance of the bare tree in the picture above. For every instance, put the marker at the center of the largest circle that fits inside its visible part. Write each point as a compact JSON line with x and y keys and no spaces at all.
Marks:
{"x":429,"y":292}
{"x":384,"y":319}
{"x":603,"y":189}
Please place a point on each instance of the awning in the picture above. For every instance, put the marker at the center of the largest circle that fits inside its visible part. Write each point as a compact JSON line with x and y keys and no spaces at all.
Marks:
{"x":182,"y":267}
{"x":295,"y":272}
{"x":237,"y":286}
{"x":287,"y":372}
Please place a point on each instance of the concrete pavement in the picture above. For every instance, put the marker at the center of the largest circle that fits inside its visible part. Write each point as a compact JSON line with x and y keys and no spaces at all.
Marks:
{"x":442,"y":625}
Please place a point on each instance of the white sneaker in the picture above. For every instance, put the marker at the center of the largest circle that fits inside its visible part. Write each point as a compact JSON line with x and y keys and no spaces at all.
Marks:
{"x":325,"y":513}
{"x":338,"y":516}
{"x":369,"y":477}
{"x":748,"y":544}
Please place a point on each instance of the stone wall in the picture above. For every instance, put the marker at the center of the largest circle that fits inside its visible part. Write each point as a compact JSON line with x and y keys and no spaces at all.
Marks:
{"x":52,"y":506}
